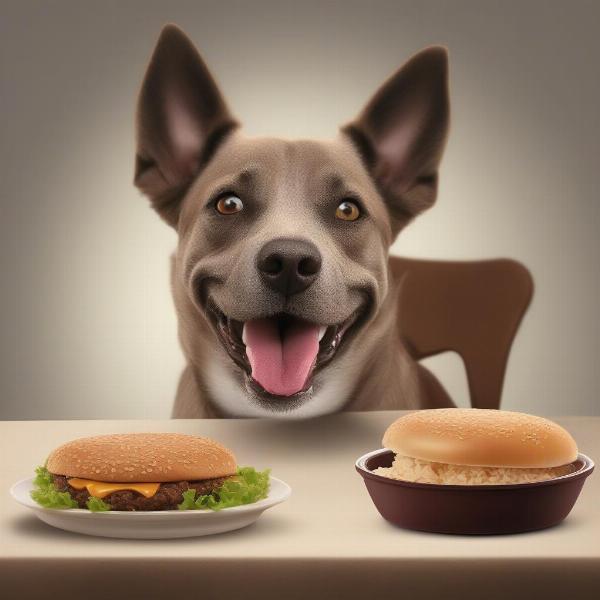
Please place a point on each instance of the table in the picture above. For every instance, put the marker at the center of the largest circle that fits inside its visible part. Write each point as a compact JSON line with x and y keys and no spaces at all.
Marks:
{"x":327,"y":541}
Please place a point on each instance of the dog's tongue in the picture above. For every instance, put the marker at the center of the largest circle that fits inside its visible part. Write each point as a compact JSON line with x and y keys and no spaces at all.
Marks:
{"x":281,"y":361}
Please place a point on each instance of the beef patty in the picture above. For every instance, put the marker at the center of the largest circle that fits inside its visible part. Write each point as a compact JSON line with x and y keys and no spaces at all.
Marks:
{"x":167,"y":497}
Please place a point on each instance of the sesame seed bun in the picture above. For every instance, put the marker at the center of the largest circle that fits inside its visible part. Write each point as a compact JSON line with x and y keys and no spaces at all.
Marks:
{"x":481,"y":437}
{"x":142,"y":457}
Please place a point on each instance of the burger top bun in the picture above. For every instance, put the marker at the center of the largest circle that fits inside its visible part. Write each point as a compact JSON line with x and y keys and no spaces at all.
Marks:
{"x":481,"y":437}
{"x":142,"y":457}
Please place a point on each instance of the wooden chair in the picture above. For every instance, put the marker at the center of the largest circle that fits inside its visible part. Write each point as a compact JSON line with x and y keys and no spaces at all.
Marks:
{"x":473,"y":308}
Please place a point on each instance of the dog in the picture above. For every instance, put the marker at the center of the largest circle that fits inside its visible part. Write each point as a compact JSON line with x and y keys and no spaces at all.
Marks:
{"x":286,"y":306}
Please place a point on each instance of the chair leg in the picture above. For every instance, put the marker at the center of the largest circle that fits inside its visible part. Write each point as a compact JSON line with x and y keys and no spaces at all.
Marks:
{"x":485,"y":377}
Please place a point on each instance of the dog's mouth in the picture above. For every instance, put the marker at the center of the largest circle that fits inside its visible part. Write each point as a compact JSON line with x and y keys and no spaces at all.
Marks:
{"x":280,"y":354}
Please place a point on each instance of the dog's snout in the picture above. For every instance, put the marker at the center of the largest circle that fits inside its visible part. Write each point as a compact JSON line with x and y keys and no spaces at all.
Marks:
{"x":289,"y":265}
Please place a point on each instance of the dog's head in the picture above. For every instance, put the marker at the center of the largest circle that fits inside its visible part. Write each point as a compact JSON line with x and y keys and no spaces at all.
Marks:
{"x":283,"y":244}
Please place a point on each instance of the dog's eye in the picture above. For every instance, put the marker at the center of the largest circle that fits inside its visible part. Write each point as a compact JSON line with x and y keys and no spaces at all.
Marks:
{"x":347,"y":211}
{"x":229,"y":205}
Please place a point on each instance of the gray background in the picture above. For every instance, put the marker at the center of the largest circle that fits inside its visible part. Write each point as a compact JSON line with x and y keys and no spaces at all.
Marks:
{"x":88,"y":327}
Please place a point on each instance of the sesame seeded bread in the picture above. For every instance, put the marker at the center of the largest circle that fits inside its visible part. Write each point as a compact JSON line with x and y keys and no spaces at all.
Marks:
{"x":481,"y":437}
{"x":142,"y":457}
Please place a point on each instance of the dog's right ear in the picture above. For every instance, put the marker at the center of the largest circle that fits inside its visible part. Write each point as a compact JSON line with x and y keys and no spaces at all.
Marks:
{"x":181,"y":119}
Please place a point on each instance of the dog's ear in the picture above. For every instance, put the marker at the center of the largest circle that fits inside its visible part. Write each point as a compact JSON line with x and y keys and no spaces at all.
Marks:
{"x":181,"y":119}
{"x":402,"y":131}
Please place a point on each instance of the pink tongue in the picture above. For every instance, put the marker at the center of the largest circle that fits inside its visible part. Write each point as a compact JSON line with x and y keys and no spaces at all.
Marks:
{"x":281,"y":364}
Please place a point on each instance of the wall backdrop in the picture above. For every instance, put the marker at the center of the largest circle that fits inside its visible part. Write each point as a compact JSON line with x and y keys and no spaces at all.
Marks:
{"x":88,"y":326}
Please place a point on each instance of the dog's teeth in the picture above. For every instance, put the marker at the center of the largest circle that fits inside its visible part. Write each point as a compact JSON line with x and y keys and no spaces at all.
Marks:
{"x":244,"y":334}
{"x":322,"y":331}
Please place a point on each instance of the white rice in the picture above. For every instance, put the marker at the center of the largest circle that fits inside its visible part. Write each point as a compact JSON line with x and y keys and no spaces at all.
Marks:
{"x":407,"y":468}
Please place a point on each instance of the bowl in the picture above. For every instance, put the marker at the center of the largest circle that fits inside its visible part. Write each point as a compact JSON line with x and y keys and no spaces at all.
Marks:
{"x":472,"y":509}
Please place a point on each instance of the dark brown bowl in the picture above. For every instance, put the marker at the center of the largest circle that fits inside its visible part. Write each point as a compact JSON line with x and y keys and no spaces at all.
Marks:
{"x":471,"y":509}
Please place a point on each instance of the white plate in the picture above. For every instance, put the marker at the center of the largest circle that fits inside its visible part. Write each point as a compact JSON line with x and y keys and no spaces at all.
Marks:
{"x":155,"y":524}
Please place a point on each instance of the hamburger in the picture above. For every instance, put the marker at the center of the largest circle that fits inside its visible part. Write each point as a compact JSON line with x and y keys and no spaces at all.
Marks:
{"x":477,"y":447}
{"x":145,"y":471}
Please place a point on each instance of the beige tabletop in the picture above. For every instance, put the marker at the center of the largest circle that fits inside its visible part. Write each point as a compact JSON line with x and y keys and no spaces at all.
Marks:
{"x":326,"y":541}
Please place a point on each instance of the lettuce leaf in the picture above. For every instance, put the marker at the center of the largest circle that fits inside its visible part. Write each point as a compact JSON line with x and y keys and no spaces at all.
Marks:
{"x":248,"y":486}
{"x":46,"y":495}
{"x":97,"y":504}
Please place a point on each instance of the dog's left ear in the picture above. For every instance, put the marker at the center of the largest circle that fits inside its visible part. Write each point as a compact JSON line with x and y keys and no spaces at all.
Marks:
{"x":181,"y":119}
{"x":401,"y":133}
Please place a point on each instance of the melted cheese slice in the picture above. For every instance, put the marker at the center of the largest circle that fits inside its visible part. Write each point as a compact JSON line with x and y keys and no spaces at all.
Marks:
{"x":100,"y":489}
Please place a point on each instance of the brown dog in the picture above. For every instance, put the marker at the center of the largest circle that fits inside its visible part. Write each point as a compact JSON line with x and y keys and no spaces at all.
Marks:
{"x":281,"y":283}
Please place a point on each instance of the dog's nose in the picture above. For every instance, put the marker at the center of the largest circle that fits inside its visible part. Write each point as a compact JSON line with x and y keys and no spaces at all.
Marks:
{"x":289,"y":265}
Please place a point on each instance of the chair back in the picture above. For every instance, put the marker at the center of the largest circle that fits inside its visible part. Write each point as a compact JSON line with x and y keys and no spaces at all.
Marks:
{"x":471,"y":307}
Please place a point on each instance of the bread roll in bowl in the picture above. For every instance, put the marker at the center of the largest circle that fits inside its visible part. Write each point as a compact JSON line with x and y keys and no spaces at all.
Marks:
{"x":477,"y":447}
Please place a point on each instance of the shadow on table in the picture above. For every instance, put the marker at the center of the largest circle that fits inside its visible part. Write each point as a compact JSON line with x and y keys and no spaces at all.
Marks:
{"x":29,"y":525}
{"x":347,"y":433}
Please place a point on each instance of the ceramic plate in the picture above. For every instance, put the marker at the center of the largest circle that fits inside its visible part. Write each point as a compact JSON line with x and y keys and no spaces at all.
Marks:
{"x":156,"y":524}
